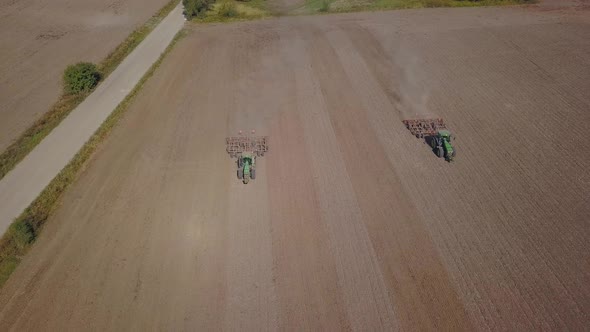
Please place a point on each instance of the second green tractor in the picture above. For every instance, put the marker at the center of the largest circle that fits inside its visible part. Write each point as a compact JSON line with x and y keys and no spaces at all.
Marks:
{"x":435,"y":132}
{"x":441,"y":144}
{"x":246,"y":167}
{"x":246,"y":149}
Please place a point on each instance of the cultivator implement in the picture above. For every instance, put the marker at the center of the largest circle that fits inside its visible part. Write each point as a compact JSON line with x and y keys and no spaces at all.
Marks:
{"x":422,"y":128}
{"x":238,"y":144}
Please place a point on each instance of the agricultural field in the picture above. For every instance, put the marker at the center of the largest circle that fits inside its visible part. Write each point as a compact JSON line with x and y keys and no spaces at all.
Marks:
{"x":40,"y":38}
{"x":352,"y":222}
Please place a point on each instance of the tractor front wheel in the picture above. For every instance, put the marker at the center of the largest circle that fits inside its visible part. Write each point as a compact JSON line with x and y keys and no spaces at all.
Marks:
{"x":240,"y":173}
{"x":440,"y":152}
{"x":253,"y":173}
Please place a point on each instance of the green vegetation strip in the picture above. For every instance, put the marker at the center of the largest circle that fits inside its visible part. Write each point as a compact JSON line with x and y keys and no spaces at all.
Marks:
{"x":231,"y":11}
{"x":26,"y":228}
{"x":212,"y":11}
{"x":340,"y":6}
{"x":68,"y":102}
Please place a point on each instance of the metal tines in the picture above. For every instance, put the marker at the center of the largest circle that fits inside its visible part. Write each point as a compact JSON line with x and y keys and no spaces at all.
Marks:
{"x":239,"y":144}
{"x":424,"y":127}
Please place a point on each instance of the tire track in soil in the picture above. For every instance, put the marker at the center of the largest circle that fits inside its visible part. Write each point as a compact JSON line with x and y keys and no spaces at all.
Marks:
{"x":360,"y":280}
{"x":513,"y":253}
{"x":527,"y":245}
{"x":304,"y":268}
{"x":305,"y":271}
{"x":251,"y":300}
{"x":397,"y":142}
{"x":419,"y":283}
{"x":206,"y":284}
{"x":252,"y":297}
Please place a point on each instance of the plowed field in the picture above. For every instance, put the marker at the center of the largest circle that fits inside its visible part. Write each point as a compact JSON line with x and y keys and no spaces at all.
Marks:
{"x":352,"y":223}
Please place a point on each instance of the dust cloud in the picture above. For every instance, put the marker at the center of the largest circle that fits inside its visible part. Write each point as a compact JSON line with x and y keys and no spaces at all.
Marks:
{"x":409,"y":80}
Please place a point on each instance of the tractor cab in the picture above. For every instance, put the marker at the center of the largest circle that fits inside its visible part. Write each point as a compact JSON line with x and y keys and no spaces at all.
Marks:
{"x":247,"y":158}
{"x":445,"y":134}
{"x":246,"y":166}
{"x":441,"y":144}
{"x":443,"y":147}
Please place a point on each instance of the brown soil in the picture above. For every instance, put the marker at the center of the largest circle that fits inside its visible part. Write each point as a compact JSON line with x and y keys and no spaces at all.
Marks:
{"x":352,"y":223}
{"x":40,"y":38}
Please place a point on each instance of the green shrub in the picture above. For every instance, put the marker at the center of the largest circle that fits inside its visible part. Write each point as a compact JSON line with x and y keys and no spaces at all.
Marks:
{"x":22,"y":233}
{"x":195,"y":8}
{"x":227,"y":9}
{"x":81,"y":77}
{"x":324,"y":6}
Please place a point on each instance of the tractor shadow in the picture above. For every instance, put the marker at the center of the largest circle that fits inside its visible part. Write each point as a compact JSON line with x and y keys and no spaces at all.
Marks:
{"x":436,"y":147}
{"x":430,"y":142}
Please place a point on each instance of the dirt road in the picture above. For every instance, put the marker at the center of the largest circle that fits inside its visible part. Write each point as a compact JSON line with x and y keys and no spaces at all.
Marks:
{"x":352,"y":223}
{"x":40,"y":38}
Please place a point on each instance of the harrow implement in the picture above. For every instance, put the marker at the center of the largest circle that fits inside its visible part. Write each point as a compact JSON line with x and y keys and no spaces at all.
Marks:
{"x":238,"y":144}
{"x":422,"y":128}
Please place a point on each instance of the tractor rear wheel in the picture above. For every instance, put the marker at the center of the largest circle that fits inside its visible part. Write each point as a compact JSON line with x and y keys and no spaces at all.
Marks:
{"x":240,"y":163}
{"x":440,"y":152}
{"x":253,"y":173}
{"x":240,"y":173}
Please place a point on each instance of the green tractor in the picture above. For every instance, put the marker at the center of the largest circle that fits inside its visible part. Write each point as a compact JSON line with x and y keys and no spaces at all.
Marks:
{"x":435,"y":133}
{"x":246,"y":149}
{"x":441,"y":144}
{"x":246,"y":167}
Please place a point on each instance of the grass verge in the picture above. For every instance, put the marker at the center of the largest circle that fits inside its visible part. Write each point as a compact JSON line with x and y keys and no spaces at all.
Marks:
{"x":26,"y":228}
{"x":339,"y":6}
{"x":232,"y":11}
{"x":66,"y":103}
